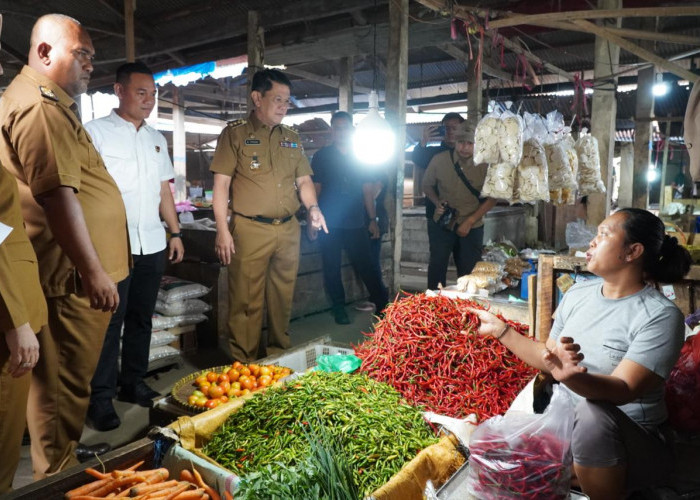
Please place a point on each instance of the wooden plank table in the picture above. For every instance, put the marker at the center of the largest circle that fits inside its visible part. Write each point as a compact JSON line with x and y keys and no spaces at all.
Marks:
{"x":686,"y":291}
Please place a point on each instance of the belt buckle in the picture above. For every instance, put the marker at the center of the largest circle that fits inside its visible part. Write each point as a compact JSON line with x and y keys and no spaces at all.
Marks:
{"x":276,"y":222}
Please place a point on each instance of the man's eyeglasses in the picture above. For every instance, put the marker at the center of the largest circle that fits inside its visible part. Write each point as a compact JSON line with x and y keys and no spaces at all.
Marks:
{"x":83,"y":55}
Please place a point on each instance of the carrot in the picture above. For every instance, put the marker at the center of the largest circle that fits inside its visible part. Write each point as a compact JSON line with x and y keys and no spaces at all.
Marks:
{"x":183,"y":486}
{"x":228,"y":495}
{"x":113,"y":485}
{"x":85,"y":489}
{"x":191,"y":495}
{"x":97,"y":474}
{"x":208,"y":489}
{"x":135,"y":466}
{"x":157,"y":475}
{"x":144,"y":488}
{"x":186,"y":475}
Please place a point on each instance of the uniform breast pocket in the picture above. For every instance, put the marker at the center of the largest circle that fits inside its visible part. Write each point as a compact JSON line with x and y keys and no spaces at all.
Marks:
{"x":122,"y":166}
{"x":254,"y":161}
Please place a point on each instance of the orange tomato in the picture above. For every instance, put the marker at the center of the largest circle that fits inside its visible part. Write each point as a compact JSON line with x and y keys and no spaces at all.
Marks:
{"x":244,"y":370}
{"x":205,"y":389}
{"x":265,"y":370}
{"x":237,"y":365}
{"x":265,"y":380}
{"x":223,"y":398}
{"x":233,"y":375}
{"x":192,"y":400}
{"x":237,"y":393}
{"x":254,"y":369}
{"x":249,"y":384}
{"x":223,"y":378}
{"x":215,"y":391}
{"x":212,"y":403}
{"x":201,"y":401}
{"x":245,"y":391}
{"x":236,"y":385}
{"x":212,"y":376}
{"x":199,"y":380}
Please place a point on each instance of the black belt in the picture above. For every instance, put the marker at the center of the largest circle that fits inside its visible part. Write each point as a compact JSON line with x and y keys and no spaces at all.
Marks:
{"x":267,"y":220}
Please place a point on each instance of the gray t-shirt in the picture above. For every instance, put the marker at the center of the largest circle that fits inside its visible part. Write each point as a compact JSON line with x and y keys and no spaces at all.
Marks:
{"x":645,"y":327}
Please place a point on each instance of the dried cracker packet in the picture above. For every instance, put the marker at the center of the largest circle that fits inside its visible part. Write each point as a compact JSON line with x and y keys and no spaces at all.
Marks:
{"x":531,"y":179}
{"x":589,"y":179}
{"x":499,"y":182}
{"x":486,"y":146}
{"x":510,"y":140}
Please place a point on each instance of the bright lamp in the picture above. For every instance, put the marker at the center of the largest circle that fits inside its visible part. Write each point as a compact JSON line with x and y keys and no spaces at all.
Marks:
{"x":373,"y":140}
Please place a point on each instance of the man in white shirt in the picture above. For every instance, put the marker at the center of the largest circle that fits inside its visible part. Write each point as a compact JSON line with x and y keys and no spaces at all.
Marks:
{"x":136,"y":156}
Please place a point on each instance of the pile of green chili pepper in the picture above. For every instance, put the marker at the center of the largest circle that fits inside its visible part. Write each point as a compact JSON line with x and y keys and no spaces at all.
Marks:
{"x":428,"y":348}
{"x":375,"y":428}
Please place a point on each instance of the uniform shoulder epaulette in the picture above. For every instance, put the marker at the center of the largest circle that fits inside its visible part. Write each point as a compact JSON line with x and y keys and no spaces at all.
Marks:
{"x":237,"y":123}
{"x":290,"y":129}
{"x":48,"y":93}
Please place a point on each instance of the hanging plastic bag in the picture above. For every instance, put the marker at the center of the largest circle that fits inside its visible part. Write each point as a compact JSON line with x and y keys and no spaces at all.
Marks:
{"x":683,"y":388}
{"x":488,"y":130}
{"x":510,"y":141}
{"x":346,"y":363}
{"x":589,"y":180}
{"x":499,"y":182}
{"x":531,"y":178}
{"x":524,"y":456}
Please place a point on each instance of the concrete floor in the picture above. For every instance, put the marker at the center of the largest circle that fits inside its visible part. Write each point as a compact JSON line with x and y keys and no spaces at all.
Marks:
{"x":135,"y":419}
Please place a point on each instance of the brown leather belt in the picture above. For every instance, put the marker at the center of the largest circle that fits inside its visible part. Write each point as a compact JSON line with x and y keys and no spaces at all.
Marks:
{"x":267,"y":220}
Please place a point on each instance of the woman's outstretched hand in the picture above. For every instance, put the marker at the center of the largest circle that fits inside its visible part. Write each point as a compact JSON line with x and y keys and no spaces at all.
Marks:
{"x":489,"y":324}
{"x":563,"y":360}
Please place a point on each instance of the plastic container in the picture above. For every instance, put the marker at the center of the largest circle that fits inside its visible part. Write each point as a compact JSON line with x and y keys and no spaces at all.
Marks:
{"x":524,"y":291}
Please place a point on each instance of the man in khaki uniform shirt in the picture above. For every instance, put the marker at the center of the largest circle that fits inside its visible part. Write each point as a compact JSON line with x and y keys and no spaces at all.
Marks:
{"x":22,"y":313}
{"x":444,"y":186}
{"x":76,"y":222}
{"x":260,"y":165}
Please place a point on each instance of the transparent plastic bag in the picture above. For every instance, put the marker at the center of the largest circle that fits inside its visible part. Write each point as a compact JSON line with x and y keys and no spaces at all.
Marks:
{"x":345,"y":363}
{"x":178,"y":307}
{"x":578,"y":235}
{"x":524,"y":456}
{"x":499,"y":182}
{"x":486,"y":148}
{"x":589,"y":180}
{"x":510,"y":141}
{"x":532,"y":178}
{"x":173,"y":289}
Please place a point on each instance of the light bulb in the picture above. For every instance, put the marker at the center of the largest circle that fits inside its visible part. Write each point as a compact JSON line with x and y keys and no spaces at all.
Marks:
{"x":373,"y":140}
{"x":651,"y":175}
{"x":660,"y":89}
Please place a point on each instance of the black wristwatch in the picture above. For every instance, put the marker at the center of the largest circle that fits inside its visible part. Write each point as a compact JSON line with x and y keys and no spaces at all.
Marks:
{"x":176,"y":235}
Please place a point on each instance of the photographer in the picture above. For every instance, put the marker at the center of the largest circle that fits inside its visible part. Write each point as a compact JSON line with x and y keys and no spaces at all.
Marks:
{"x":453,"y":183}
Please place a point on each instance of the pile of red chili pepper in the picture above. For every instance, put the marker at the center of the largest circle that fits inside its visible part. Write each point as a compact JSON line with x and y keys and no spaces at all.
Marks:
{"x":428,"y":348}
{"x":528,"y":467}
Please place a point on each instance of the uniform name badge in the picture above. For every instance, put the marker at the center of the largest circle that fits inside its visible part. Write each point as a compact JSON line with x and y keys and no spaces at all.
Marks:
{"x":255,"y":164}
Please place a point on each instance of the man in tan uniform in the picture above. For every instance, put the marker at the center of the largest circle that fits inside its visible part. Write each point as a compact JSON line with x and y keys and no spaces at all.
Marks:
{"x":22,"y":313}
{"x":260,"y":166}
{"x":76,"y":222}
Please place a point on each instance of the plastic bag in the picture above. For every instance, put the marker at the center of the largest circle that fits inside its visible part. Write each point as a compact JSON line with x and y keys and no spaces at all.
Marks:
{"x":160,"y":338}
{"x":524,"y":456}
{"x":589,"y":180}
{"x":499,"y":182}
{"x":346,"y":363}
{"x":510,"y":140}
{"x":159,"y":322}
{"x":173,"y":289}
{"x":486,"y":148}
{"x":683,"y":388}
{"x":578,"y":235}
{"x":178,"y":307}
{"x":532,"y":177}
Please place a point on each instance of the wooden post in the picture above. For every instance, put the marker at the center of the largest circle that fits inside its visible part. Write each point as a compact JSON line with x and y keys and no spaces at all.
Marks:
{"x":256,"y":50}
{"x":396,"y":90}
{"x":662,"y":181}
{"x":603,"y":114}
{"x":474,"y":95}
{"x":345,"y":90}
{"x":624,"y":195}
{"x":179,"y":146}
{"x":545,"y":297}
{"x":129,"y":8}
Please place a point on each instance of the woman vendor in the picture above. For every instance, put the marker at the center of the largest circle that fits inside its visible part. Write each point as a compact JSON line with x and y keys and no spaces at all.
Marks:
{"x":612,"y":345}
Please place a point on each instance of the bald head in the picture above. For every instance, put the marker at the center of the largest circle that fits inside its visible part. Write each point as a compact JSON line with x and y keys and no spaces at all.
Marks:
{"x":61,"y":49}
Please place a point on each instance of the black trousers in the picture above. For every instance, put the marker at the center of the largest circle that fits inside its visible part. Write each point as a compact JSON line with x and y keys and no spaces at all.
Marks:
{"x":356,"y":244}
{"x":137,"y":299}
{"x":465,"y":250}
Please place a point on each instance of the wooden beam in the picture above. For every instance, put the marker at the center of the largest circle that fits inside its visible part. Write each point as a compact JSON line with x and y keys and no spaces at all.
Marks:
{"x":256,"y":50}
{"x":644,"y":113}
{"x":660,"y":119}
{"x":461,"y":55}
{"x":624,"y":193}
{"x":179,"y":146}
{"x":464,"y":13}
{"x":396,"y":90}
{"x":637,"y":50}
{"x":129,"y":7}
{"x":516,"y":19}
{"x":329,"y":81}
{"x":345,"y":87}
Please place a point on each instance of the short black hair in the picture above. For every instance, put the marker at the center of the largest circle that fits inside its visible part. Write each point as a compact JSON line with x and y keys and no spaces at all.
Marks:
{"x":262,"y":80}
{"x":452,"y":116}
{"x":125,"y":71}
{"x":341,"y":115}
